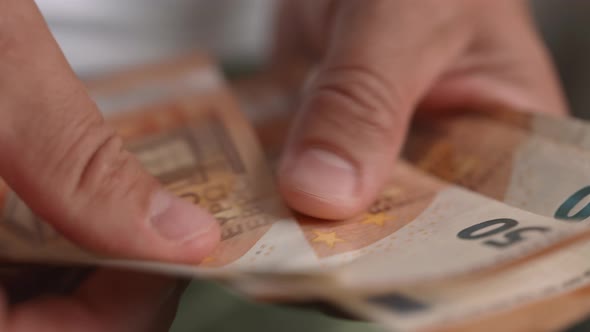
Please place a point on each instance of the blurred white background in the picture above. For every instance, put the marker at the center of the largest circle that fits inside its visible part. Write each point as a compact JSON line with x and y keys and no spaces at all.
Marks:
{"x":99,"y":36}
{"x":103,"y":35}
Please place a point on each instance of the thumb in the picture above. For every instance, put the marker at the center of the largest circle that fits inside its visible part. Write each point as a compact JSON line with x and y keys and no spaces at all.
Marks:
{"x":380,"y":59}
{"x":70,"y":168}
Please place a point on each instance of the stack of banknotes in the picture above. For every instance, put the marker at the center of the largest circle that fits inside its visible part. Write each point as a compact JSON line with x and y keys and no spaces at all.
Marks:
{"x":484,"y":225}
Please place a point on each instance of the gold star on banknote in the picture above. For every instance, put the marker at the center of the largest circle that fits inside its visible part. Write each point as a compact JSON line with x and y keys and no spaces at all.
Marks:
{"x":208,"y":259}
{"x":393,"y":191}
{"x":376,"y":219}
{"x":330,"y":239}
{"x":465,"y":165}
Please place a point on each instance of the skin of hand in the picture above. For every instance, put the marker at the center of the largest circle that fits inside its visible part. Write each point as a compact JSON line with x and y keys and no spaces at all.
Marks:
{"x":59,"y":156}
{"x":377,"y":62}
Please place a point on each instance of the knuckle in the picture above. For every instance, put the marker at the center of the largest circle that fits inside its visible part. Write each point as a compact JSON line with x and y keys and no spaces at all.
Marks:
{"x":350,"y":119}
{"x":7,"y":43}
{"x":85,"y":154}
{"x":109,"y":171}
{"x":93,"y":164}
{"x":67,"y":98}
{"x":9,"y":39}
{"x":358,"y":99}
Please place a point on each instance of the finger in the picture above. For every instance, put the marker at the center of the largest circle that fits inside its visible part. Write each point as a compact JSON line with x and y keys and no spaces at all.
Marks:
{"x":288,"y":42}
{"x":510,"y":67}
{"x":109,"y":301}
{"x":70,"y":167}
{"x":380,"y":59}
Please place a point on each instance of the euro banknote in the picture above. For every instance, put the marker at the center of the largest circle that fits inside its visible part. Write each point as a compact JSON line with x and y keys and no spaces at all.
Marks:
{"x":485,"y":151}
{"x":476,"y":197}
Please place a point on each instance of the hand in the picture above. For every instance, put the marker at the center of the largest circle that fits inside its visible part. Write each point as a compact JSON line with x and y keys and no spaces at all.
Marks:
{"x":108,"y":300}
{"x":60,"y":157}
{"x":379,"y":61}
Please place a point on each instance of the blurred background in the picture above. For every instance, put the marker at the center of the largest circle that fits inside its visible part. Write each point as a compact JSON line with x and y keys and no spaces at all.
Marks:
{"x":101,"y":36}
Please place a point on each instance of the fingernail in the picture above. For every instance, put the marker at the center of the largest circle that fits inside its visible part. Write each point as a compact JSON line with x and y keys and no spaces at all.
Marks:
{"x":323,"y":174}
{"x":178,"y":220}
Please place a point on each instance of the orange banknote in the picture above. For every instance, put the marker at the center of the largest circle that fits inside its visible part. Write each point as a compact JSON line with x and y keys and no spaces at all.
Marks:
{"x":532,"y":161}
{"x":182,"y":123}
{"x":454,"y":207}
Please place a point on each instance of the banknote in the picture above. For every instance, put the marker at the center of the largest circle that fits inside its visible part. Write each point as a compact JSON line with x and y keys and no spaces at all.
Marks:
{"x":198,"y":146}
{"x":487,"y":168}
{"x":414,"y":196}
{"x":194,"y":140}
{"x":513,"y":297}
{"x":430,"y":223}
{"x":566,"y":130}
{"x":546,"y":294}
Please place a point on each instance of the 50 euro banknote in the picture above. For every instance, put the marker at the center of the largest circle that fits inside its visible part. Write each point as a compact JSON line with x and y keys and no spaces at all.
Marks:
{"x":523,"y":162}
{"x":531,"y":161}
{"x":423,"y":231}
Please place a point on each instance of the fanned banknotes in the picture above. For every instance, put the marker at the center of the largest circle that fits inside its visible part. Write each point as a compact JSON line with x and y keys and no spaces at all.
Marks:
{"x":478,"y":200}
{"x":473,"y":150}
{"x":521,"y":160}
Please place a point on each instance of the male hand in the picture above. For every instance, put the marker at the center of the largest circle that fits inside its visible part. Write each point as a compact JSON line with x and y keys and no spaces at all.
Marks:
{"x":59,"y":156}
{"x":378,"y":62}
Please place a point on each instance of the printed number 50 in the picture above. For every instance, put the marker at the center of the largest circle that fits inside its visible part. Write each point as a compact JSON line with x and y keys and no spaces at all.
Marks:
{"x":564,"y":212}
{"x":496,"y":226}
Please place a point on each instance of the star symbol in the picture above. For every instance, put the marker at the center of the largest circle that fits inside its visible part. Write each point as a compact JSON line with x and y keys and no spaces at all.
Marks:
{"x":376,"y":219}
{"x":465,"y":166}
{"x":393,"y":191}
{"x":207,"y":260}
{"x":330,"y":239}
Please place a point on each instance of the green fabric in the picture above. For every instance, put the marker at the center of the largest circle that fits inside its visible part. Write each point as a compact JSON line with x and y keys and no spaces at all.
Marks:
{"x":206,"y":306}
